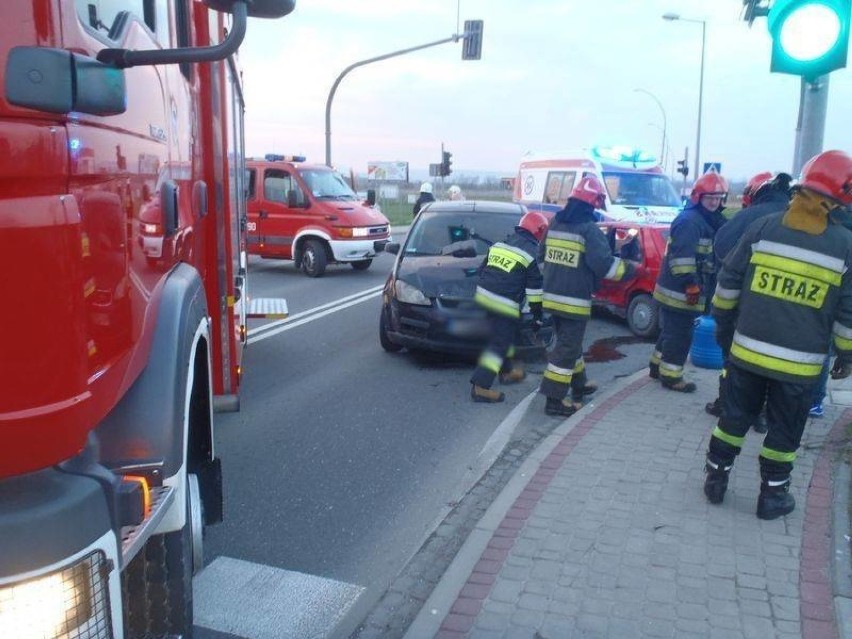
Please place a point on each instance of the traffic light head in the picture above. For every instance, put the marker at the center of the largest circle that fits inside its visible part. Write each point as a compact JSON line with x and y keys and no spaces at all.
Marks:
{"x":809,"y":37}
{"x":446,"y":163}
{"x":682,"y":168}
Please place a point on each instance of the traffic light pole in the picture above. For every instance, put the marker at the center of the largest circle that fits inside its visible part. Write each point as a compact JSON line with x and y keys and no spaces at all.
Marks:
{"x":453,"y":38}
{"x":810,"y":128}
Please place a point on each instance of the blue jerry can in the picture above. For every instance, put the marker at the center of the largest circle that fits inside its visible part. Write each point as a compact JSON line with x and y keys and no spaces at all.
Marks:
{"x":705,"y":352}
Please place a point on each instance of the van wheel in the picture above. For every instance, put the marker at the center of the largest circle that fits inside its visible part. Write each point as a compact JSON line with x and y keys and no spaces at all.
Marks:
{"x":314,"y":259}
{"x":643,"y":316}
{"x":361,"y":265}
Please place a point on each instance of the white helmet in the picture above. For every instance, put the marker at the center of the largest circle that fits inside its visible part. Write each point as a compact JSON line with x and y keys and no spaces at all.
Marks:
{"x":455,"y":192}
{"x":426,"y":187}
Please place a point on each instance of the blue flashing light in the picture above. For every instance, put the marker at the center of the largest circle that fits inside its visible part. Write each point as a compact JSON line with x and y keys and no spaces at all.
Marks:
{"x":275,"y":157}
{"x":623,"y":155}
{"x":74,"y":144}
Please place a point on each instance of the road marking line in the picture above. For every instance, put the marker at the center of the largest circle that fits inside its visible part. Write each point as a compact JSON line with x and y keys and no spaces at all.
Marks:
{"x":257,"y":601}
{"x":271,"y":325}
{"x":289,"y":323}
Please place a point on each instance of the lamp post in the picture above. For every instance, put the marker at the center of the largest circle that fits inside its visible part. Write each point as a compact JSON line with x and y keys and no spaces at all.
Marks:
{"x":663,"y":111}
{"x":672,"y":17}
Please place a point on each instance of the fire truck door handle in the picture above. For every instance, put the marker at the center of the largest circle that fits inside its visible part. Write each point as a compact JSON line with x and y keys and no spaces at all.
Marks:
{"x":263,"y":214}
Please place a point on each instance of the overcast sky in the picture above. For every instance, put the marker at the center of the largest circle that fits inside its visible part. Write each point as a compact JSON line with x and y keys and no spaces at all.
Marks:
{"x":555,"y":75}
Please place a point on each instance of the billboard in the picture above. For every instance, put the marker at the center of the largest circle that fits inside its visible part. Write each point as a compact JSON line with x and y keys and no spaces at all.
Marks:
{"x":387,"y":171}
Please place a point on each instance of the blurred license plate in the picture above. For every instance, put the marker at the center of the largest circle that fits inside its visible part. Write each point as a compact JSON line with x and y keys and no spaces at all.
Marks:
{"x":467,"y":327}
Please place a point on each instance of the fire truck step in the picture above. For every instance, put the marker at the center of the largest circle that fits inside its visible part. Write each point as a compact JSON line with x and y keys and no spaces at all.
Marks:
{"x":267,"y":308}
{"x":134,"y":537}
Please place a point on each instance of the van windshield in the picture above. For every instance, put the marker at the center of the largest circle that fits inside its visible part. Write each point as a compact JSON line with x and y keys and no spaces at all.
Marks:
{"x":640,"y":189}
{"x":328,"y":185}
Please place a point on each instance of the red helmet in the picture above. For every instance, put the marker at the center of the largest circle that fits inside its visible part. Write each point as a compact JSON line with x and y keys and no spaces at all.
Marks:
{"x":591,"y":191}
{"x":535,"y":223}
{"x":753,"y":184}
{"x":829,"y":173}
{"x":708,"y":184}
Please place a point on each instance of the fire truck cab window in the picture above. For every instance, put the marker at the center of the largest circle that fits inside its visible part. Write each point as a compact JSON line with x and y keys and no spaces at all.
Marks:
{"x":108,"y":17}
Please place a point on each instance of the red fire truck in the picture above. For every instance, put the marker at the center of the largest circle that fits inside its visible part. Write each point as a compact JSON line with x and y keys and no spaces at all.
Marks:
{"x":122,"y":213}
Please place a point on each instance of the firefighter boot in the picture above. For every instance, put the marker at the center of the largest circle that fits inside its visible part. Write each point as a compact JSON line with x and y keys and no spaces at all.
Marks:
{"x":514,"y":375}
{"x":561,"y":407}
{"x":716,"y":481}
{"x":775,"y":501}
{"x":482,"y":394}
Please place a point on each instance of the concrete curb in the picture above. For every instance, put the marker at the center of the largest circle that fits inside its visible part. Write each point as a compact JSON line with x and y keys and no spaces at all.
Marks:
{"x":438,"y":605}
{"x":842,"y":557}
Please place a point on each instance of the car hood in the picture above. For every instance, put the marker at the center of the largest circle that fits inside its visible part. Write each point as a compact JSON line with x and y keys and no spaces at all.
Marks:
{"x":442,"y":275}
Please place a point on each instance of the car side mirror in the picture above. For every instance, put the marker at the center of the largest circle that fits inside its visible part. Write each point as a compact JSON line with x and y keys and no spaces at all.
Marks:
{"x":392,"y":248}
{"x":295,"y":200}
{"x":371,"y":197}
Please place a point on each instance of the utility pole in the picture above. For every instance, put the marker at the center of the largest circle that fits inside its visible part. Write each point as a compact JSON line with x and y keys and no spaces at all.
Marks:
{"x":810,"y":128}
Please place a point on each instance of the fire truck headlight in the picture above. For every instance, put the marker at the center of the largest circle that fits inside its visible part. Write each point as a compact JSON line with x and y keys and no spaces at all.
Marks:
{"x":70,"y":602}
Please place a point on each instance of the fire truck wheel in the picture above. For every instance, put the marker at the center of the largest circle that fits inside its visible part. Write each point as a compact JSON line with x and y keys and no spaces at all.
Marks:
{"x":384,"y":340}
{"x":643,"y":316}
{"x":157,"y":585}
{"x":314,"y":258}
{"x":361,"y":265}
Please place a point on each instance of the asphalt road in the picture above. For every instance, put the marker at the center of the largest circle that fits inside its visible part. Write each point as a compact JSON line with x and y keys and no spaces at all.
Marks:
{"x":344,"y":458}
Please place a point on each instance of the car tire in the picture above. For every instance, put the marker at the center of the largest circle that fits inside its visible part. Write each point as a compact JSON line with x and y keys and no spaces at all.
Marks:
{"x":384,"y":339}
{"x":643,"y":316}
{"x":314,"y":259}
{"x":361,"y":265}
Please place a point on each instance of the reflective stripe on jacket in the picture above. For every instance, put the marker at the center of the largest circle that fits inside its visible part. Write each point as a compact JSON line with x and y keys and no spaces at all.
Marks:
{"x":789,"y":293}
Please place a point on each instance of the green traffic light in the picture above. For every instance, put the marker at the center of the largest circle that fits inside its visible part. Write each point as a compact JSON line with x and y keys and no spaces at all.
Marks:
{"x":809,"y":32}
{"x":809,"y":37}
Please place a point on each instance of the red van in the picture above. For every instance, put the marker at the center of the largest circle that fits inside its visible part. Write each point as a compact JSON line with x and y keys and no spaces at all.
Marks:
{"x":308,"y":213}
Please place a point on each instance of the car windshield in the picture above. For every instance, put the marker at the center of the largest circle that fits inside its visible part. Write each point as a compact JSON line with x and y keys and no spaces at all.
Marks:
{"x":437,"y":230}
{"x":640,"y":189}
{"x":328,"y":185}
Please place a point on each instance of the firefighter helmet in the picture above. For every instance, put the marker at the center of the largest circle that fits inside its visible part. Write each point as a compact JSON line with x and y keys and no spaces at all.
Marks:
{"x":753,"y":184}
{"x":426,"y":187}
{"x":591,"y":191}
{"x":535,"y":223}
{"x":708,"y":184}
{"x":829,"y":173}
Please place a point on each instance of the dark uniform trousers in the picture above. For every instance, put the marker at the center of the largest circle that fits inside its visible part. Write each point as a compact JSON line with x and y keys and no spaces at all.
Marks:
{"x":673,"y":343}
{"x":565,"y":366}
{"x":501,"y":348}
{"x":787,"y":406}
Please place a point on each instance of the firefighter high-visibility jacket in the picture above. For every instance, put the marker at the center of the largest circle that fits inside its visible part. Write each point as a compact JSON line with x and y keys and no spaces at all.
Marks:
{"x":688,"y":260}
{"x":793,"y":293}
{"x":509,"y":273}
{"x":576,"y":258}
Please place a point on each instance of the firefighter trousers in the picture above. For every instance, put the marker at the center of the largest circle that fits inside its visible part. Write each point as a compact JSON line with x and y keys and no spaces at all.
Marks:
{"x":497,"y":356}
{"x":673,"y":343}
{"x":565,"y":367}
{"x":787,"y":406}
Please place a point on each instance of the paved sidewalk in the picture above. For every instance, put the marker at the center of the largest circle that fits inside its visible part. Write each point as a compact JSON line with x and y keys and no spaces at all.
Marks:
{"x":605,"y":532}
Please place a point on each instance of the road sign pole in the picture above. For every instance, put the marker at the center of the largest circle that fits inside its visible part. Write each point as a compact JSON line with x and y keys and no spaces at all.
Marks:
{"x":811,"y":129}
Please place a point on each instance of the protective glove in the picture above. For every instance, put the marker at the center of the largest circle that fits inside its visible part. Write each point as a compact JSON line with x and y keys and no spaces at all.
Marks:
{"x":841,"y":369}
{"x":536,"y":310}
{"x":693,"y":291}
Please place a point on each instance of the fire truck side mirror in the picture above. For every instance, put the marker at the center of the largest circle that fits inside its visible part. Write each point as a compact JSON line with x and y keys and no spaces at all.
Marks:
{"x":256,"y":8}
{"x":58,"y":81}
{"x":371,"y":197}
{"x":169,"y":207}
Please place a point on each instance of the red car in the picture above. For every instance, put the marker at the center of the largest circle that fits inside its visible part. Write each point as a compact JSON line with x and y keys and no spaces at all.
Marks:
{"x":633,"y":299}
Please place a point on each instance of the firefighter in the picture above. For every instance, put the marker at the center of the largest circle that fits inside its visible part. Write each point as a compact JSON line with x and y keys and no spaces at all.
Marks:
{"x":765,"y":194}
{"x":424,"y":197}
{"x":787,"y":291}
{"x":509,"y":273}
{"x":686,"y":269}
{"x":576,"y":257}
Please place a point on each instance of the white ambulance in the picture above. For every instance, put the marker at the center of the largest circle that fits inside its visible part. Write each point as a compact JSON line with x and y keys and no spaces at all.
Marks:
{"x":637,"y":189}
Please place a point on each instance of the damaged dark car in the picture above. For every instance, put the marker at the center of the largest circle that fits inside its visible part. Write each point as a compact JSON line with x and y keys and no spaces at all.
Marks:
{"x":427,"y":302}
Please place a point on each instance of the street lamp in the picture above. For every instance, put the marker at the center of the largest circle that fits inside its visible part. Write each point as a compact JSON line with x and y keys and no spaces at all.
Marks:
{"x":672,"y":17}
{"x":663,"y":111}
